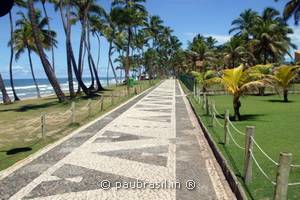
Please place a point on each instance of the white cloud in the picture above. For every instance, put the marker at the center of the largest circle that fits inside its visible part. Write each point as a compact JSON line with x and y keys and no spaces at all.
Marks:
{"x":219,"y":37}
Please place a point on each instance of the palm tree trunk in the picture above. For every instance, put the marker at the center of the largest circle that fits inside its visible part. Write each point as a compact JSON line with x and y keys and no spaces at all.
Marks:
{"x":11,"y":58}
{"x":32,"y":73}
{"x":88,"y":43}
{"x":99,"y":51}
{"x":49,"y":29}
{"x":236,"y":106}
{"x":69,"y":60}
{"x":127,"y":67}
{"x":5,"y":97}
{"x":46,"y":65}
{"x":80,"y":56}
{"x":285,"y":95}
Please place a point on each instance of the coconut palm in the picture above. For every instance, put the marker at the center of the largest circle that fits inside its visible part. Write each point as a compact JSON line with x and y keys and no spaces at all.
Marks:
{"x":24,"y":41}
{"x":264,"y":70}
{"x":39,"y":48}
{"x":5,"y":97}
{"x":243,"y":25}
{"x":19,"y":3}
{"x":129,"y":14}
{"x":238,"y":82}
{"x":49,"y":29}
{"x":283,"y":78}
{"x":292,"y":7}
{"x":201,"y":50}
{"x":235,"y":52}
{"x":271,"y":41}
{"x":202,"y":78}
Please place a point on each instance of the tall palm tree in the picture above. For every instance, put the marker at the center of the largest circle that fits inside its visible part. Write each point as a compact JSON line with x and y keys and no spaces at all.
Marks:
{"x":5,"y":97}
{"x":292,"y":7}
{"x":243,"y":25}
{"x":49,"y":29}
{"x":129,"y":13}
{"x":46,"y":64}
{"x":235,"y":52}
{"x":271,"y":41}
{"x":23,"y":39}
{"x":19,"y":3}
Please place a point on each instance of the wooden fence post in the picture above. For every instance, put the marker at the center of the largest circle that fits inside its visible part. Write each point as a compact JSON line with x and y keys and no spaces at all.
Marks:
{"x":73,"y":117}
{"x":43,"y":121}
{"x":112,"y":98}
{"x":282,"y":179}
{"x":102,"y":103}
{"x":226,"y":126}
{"x":212,"y":112}
{"x":90,"y":107}
{"x":206,"y":104}
{"x":248,"y":150}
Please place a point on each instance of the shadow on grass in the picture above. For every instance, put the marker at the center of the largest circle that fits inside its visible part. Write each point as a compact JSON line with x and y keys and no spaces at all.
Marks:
{"x":278,"y":101}
{"x":249,"y":117}
{"x":18,"y":150}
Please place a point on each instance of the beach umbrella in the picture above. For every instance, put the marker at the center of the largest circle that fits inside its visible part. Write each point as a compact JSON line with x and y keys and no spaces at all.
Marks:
{"x":5,"y":6}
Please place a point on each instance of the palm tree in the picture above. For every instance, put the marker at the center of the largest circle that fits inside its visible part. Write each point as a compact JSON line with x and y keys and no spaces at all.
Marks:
{"x":49,"y":29}
{"x":5,"y":97}
{"x":153,"y":28}
{"x":19,"y":3}
{"x":292,"y":7}
{"x":23,"y":39}
{"x":201,"y":51}
{"x":130,"y":14}
{"x":46,"y":64}
{"x":271,"y":41}
{"x":265,"y":70}
{"x":235,"y":52}
{"x":283,"y":78}
{"x":238,"y":82}
{"x":243,"y":25}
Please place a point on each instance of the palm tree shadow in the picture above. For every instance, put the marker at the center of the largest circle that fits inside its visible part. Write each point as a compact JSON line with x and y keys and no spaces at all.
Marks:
{"x":249,"y":117}
{"x":30,"y":107}
{"x":278,"y":101}
{"x":18,"y":150}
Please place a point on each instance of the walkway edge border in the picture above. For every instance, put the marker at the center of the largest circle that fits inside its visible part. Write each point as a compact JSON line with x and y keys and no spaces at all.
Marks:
{"x":233,"y":182}
{"x":6,"y":172}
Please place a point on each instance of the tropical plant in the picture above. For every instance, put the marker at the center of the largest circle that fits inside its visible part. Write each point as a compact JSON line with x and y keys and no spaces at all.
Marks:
{"x":129,"y":14}
{"x":39,"y":46}
{"x":244,"y":24}
{"x":235,"y":52}
{"x":19,"y":3}
{"x":239,"y":82}
{"x":23,"y":39}
{"x":292,"y":7}
{"x":202,"y":79}
{"x":264,"y":70}
{"x":283,"y":77}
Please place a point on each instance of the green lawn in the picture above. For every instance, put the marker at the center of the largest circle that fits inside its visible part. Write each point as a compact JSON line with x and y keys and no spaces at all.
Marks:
{"x":277,"y":130}
{"x":18,"y":123}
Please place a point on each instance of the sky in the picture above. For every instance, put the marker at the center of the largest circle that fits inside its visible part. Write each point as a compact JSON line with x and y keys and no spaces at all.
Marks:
{"x":186,"y":17}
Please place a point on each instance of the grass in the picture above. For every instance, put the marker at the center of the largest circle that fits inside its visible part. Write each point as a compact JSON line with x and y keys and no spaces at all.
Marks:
{"x":277,"y":130}
{"x":20,"y":133}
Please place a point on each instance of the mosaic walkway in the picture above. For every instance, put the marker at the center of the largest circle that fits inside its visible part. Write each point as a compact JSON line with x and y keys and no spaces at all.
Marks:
{"x":148,"y":148}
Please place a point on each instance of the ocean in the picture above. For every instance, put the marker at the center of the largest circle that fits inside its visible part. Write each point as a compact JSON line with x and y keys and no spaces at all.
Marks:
{"x":25,"y":88}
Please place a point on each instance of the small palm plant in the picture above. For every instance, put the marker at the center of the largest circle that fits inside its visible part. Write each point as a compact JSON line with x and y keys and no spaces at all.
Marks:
{"x":201,"y":78}
{"x":283,"y":78}
{"x":265,"y":70}
{"x":238,"y":82}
